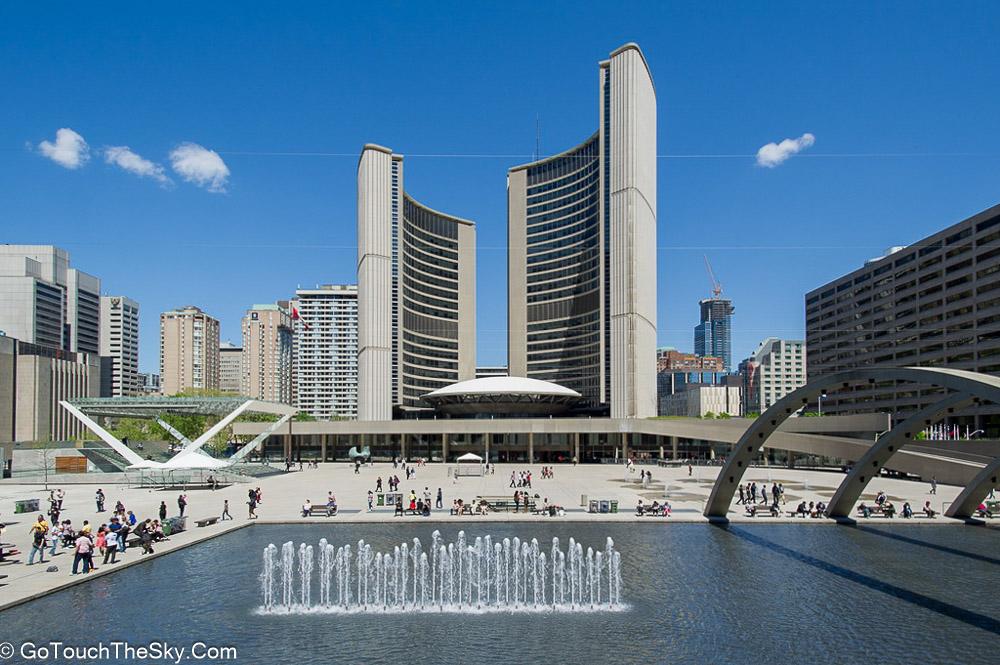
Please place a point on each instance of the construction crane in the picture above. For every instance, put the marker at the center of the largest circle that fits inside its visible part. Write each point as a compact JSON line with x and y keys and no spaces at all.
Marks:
{"x":716,"y":286}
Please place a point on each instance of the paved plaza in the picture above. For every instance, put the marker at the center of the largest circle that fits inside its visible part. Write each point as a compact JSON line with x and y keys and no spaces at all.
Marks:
{"x":284,"y":494}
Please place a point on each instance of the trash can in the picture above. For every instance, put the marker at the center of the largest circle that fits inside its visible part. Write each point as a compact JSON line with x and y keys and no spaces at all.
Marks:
{"x":380,"y":499}
{"x":614,"y":505}
{"x":605,"y":506}
{"x":593,"y":506}
{"x":583,"y":499}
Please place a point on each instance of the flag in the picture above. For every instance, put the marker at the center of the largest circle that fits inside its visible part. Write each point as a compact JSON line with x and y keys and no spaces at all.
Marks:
{"x":296,"y":317}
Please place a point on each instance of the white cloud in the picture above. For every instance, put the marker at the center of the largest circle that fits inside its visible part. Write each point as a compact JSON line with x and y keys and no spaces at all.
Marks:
{"x":773,"y":154}
{"x":123,"y":157}
{"x":69,"y":150}
{"x":201,"y":166}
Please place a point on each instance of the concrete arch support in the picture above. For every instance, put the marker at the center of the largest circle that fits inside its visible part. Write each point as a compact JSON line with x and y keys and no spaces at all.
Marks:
{"x":973,"y":384}
{"x":874,"y":459}
{"x":965,"y":504}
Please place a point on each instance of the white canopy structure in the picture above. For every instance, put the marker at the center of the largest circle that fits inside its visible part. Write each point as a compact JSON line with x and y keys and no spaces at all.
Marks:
{"x":499,"y":395}
{"x":469,"y":464}
{"x":191,"y":456}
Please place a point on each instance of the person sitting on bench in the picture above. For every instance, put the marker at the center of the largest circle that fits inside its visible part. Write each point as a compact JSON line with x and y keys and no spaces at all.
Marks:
{"x":928,"y":510}
{"x":865,"y":510}
{"x":306,"y":508}
{"x":639,"y":508}
{"x":331,"y":504}
{"x":888,"y":509}
{"x":399,"y":506}
{"x":907,"y":510}
{"x":801,"y":511}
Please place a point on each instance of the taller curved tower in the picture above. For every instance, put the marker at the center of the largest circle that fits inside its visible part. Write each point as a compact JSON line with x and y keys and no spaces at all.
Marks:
{"x":582,"y":252}
{"x":416,"y":292}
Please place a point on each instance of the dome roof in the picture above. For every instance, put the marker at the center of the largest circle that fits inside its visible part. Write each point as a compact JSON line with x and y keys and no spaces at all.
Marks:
{"x":503,"y":385}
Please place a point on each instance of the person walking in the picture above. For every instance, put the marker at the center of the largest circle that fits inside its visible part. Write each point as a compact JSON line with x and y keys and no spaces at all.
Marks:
{"x":111,"y":547}
{"x":82,"y":552}
{"x":181,"y":504}
{"x":378,"y":484}
{"x":252,"y":503}
{"x":225,"y":511}
{"x":38,"y":532}
{"x":163,"y":510}
{"x":99,"y":499}
{"x":933,"y":484}
{"x":742,"y":498}
{"x":440,"y":500}
{"x":371,"y":501}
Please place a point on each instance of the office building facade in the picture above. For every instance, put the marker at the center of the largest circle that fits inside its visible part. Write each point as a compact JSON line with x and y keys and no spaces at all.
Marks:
{"x":119,"y":347}
{"x":325,"y":351}
{"x":416,"y":293}
{"x":933,"y":303}
{"x":189,"y":351}
{"x":582,"y":252}
{"x":230,"y":368}
{"x":776,"y":368}
{"x":44,"y":301}
{"x":714,"y":335}
{"x":34,"y":378}
{"x":267,"y":354}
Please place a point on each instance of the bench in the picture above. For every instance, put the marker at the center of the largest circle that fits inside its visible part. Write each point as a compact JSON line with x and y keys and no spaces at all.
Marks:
{"x":877,"y":511}
{"x":647,"y":511}
{"x":321,"y":510}
{"x":206,"y":521}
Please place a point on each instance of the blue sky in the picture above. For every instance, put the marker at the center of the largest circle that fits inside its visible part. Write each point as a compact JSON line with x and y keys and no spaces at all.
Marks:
{"x":902,"y":99}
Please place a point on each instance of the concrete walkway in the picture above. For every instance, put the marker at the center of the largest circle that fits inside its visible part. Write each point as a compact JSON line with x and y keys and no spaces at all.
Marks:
{"x":284,"y":494}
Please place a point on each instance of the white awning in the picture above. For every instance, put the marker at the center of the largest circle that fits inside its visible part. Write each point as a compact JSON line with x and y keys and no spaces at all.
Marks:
{"x":470,"y":457}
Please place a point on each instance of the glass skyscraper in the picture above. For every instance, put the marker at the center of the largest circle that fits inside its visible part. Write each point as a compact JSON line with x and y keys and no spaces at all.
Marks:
{"x":714,"y":335}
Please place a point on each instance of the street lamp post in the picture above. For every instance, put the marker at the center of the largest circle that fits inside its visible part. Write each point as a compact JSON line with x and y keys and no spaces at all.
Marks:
{"x":819,"y":402}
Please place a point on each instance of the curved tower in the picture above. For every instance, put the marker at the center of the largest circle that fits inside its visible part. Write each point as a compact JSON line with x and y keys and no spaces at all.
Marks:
{"x":416,"y":292}
{"x":582,"y":252}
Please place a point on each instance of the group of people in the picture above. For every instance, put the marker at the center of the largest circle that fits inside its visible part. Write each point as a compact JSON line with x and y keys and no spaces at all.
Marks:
{"x":656,"y":508}
{"x":109,"y":539}
{"x":749,"y":493}
{"x":548,"y":472}
{"x":886,"y":508}
{"x":421,"y":506}
{"x":253,"y":500}
{"x":391,"y":481}
{"x":520,"y":479}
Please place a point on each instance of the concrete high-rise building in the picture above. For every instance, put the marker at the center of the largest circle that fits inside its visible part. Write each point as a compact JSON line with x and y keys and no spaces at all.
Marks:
{"x":933,"y":303}
{"x":776,"y":368}
{"x":267,"y":354}
{"x":230,"y":368}
{"x":416,"y":292}
{"x":33,"y":380}
{"x":119,"y":347}
{"x":325,"y":351}
{"x":582,"y":252}
{"x":45,"y":301}
{"x":189,"y":351}
{"x":714,"y":335}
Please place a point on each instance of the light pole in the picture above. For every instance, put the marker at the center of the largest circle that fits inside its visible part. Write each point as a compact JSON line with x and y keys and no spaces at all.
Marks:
{"x":819,"y":402}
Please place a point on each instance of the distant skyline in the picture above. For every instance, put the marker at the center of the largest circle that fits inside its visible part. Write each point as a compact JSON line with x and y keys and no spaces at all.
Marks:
{"x":209,"y":158}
